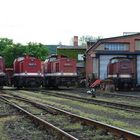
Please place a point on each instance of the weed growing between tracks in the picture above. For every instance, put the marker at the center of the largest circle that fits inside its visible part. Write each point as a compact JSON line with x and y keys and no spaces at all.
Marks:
{"x":123,"y":100}
{"x":22,"y":128}
{"x":3,"y":134}
{"x":15,"y":126}
{"x":119,"y":118}
{"x":76,"y":129}
{"x":5,"y":109}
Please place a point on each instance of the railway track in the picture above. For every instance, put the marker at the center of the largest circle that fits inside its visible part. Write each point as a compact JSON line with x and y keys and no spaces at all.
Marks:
{"x":115,"y":105}
{"x":121,"y":106}
{"x":120,"y":133}
{"x":60,"y":133}
{"x":120,"y":95}
{"x":130,"y":94}
{"x":82,"y":92}
{"x":5,"y":110}
{"x":14,"y":125}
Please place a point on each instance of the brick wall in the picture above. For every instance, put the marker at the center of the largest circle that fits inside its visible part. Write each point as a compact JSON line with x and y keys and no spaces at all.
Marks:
{"x":130,"y":40}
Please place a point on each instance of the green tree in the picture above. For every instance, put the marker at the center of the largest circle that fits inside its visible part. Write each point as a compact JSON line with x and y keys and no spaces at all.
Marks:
{"x":37,"y":50}
{"x":4,"y":42}
{"x":10,"y":51}
{"x":9,"y":55}
{"x":19,"y":49}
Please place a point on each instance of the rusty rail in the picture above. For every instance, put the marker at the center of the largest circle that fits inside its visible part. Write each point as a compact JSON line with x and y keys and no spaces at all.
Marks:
{"x":119,"y":95}
{"x":114,"y":130}
{"x":126,"y":107}
{"x":62,"y":135}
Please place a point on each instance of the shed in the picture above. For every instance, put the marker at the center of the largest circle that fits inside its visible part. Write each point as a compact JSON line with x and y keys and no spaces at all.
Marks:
{"x":99,"y":54}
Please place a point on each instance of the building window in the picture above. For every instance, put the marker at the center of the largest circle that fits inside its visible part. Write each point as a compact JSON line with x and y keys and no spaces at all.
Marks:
{"x":137,"y":45}
{"x":116,"y":46}
{"x":80,"y":57}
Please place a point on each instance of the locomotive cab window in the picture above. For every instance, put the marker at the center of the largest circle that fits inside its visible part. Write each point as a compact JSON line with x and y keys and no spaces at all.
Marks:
{"x":114,"y":61}
{"x":52,"y":59}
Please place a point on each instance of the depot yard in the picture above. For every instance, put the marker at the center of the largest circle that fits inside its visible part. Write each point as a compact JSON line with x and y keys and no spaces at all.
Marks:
{"x":123,"y":119}
{"x":14,"y":126}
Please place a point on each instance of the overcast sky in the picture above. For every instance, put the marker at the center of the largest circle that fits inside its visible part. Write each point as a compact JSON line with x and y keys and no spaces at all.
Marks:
{"x":54,"y":21}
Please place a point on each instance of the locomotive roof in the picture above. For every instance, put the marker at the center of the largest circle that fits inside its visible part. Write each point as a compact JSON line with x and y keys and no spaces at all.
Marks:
{"x":21,"y":58}
{"x":56,"y":55}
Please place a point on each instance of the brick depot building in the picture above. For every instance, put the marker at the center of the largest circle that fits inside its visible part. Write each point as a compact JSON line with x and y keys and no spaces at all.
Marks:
{"x":98,"y":54}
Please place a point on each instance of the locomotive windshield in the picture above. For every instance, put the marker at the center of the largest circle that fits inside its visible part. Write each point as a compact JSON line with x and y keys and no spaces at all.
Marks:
{"x":115,"y":60}
{"x":55,"y":57}
{"x":52,"y":59}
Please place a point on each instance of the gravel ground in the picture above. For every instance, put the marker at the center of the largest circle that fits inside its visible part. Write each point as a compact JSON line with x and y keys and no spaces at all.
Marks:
{"x":14,"y":126}
{"x":24,"y":129}
{"x":5,"y":109}
{"x":119,"y":118}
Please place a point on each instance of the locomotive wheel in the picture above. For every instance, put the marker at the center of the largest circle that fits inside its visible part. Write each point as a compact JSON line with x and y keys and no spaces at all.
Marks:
{"x":56,"y":87}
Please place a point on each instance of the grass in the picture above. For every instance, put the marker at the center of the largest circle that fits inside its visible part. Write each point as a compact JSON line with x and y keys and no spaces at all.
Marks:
{"x":73,"y":126}
{"x":3,"y":135}
{"x":23,"y":128}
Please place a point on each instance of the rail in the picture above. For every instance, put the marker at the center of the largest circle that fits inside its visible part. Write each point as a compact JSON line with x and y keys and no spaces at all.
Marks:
{"x":62,"y":134}
{"x":114,"y":130}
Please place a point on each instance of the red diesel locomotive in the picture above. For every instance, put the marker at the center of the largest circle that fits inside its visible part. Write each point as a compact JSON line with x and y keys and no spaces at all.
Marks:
{"x":27,"y":72}
{"x":59,"y":70}
{"x":3,"y":77}
{"x":122,"y":71}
